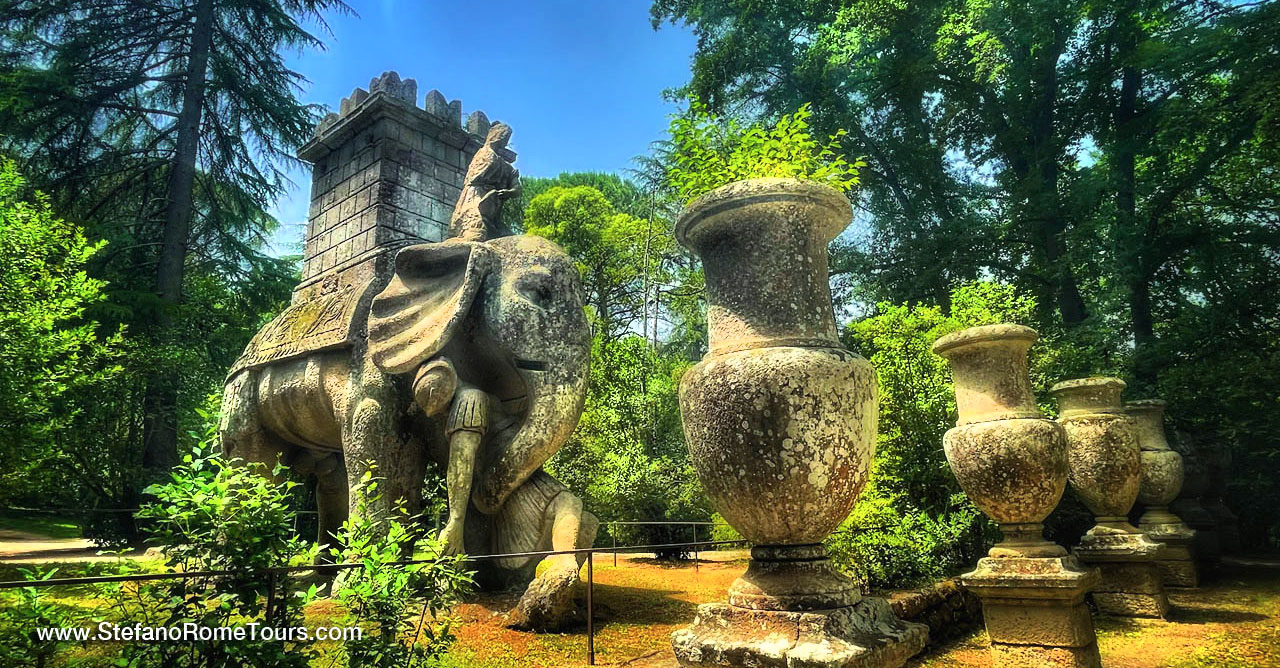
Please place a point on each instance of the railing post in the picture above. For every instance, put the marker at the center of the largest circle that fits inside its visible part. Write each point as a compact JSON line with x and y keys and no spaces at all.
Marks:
{"x":695,"y":548}
{"x":613,"y":531}
{"x":591,"y":618}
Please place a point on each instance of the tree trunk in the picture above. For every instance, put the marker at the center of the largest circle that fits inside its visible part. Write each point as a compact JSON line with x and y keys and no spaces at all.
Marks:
{"x":160,"y":437}
{"x":1124,"y":179}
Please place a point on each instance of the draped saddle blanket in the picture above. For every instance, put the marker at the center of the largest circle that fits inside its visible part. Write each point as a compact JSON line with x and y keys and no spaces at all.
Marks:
{"x":330,"y":321}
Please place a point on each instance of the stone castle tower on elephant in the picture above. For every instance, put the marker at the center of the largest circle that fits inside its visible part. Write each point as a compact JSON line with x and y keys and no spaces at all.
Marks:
{"x":407,"y":338}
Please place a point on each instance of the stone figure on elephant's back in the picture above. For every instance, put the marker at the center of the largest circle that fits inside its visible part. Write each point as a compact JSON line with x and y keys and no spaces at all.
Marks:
{"x":475,"y":352}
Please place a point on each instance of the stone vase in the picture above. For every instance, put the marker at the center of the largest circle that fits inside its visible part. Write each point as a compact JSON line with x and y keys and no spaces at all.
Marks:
{"x":1013,"y":464}
{"x":780,"y":421}
{"x":1163,"y":475}
{"x":1106,"y":473}
{"x":1008,"y":459}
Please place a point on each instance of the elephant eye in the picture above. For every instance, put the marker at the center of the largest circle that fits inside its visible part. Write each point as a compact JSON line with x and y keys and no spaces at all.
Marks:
{"x":536,"y":288}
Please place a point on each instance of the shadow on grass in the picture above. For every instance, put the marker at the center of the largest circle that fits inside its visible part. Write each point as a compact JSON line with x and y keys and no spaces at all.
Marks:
{"x":1183,"y":614}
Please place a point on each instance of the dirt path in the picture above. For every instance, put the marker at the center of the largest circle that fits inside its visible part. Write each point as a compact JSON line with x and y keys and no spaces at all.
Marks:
{"x":1231,"y":622}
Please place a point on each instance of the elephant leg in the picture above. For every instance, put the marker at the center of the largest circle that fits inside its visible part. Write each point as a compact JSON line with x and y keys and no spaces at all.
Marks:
{"x":331,"y":502}
{"x":372,"y":437}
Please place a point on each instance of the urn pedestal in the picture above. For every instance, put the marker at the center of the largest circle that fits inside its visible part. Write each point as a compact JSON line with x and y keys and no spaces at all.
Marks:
{"x":1013,"y":464}
{"x":1106,"y":473}
{"x":780,"y":421}
{"x":1162,"y":480}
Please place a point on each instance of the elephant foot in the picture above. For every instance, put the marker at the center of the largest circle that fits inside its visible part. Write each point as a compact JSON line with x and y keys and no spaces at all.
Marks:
{"x":548,"y":603}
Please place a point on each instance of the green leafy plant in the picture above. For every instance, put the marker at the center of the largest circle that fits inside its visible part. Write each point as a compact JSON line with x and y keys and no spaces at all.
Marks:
{"x":217,"y":514}
{"x":26,"y":610}
{"x":404,"y":610}
{"x":709,"y":151}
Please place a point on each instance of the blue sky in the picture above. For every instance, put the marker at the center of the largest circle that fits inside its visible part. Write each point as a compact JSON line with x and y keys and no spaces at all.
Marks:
{"x":580,"y":82}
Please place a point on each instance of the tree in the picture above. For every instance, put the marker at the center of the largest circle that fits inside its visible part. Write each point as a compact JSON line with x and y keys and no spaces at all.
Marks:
{"x":162,"y":124}
{"x":1092,"y":154}
{"x":48,"y":351}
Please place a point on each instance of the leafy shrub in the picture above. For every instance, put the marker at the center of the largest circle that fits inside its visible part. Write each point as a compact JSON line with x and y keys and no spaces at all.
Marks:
{"x":383,"y":597}
{"x":932,"y":527}
{"x":709,"y":151}
{"x":218,"y":514}
{"x":882,"y":546}
{"x":30,"y":608}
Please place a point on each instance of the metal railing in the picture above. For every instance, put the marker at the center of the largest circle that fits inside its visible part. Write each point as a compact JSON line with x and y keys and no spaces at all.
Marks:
{"x":274,"y":573}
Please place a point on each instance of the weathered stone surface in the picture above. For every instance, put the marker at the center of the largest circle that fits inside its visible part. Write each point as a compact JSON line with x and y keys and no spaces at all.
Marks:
{"x":865,"y":635}
{"x":1031,"y":656}
{"x":781,"y":422}
{"x":1008,"y":459}
{"x":1105,"y":463}
{"x":1131,"y":585}
{"x":780,"y":419}
{"x":1035,"y":609}
{"x":548,"y":603}
{"x":471,"y":353}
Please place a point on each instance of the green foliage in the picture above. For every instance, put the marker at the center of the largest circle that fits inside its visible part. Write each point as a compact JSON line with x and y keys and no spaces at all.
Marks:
{"x":218,"y":514}
{"x":708,"y":151}
{"x":383,"y":597}
{"x":884,"y":545}
{"x":48,"y":351}
{"x":932,"y":527}
{"x":627,"y":459}
{"x":30,"y":608}
{"x":622,"y":258}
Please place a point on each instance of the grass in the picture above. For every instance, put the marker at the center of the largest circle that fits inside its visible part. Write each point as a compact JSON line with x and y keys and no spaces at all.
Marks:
{"x":1233,"y":621}
{"x":40,"y":525}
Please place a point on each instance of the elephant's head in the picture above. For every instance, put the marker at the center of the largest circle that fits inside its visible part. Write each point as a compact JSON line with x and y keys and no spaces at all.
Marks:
{"x":508,"y":313}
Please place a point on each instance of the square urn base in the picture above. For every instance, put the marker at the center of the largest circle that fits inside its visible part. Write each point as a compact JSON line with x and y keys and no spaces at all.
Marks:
{"x":1035,"y":611}
{"x":864,"y":635}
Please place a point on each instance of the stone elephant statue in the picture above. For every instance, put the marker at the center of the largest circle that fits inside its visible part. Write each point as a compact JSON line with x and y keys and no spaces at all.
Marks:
{"x":487,"y":335}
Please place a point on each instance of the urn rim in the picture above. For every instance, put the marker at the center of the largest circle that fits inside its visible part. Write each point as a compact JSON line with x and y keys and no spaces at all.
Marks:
{"x":1090,"y":382}
{"x":1146,"y":404}
{"x":767,"y":189}
{"x":983,"y":334}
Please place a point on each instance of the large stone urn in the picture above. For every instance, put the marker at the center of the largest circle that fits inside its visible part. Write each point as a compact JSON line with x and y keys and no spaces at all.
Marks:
{"x":1162,"y":479}
{"x":1106,"y":473}
{"x":1013,"y":464}
{"x":781,"y":422}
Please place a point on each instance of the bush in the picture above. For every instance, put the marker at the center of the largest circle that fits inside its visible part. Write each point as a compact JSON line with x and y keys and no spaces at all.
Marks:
{"x":709,"y":152}
{"x":218,"y":514}
{"x":383,"y":598}
{"x":27,"y":609}
{"x":932,"y":527}
{"x":882,"y":546}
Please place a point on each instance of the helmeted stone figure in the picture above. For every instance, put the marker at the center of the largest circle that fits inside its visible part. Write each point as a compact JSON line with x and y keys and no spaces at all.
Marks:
{"x":396,"y":353}
{"x":490,"y":180}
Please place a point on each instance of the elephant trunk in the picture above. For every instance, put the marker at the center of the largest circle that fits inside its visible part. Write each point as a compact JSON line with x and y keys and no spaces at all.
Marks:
{"x":555,"y":394}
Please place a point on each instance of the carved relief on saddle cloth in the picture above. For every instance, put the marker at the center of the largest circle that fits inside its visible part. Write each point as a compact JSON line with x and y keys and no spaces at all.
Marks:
{"x":330,"y":320}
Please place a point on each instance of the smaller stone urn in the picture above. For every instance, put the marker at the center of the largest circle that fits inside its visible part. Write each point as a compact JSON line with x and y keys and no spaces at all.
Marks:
{"x":1013,"y":464}
{"x":780,"y":420}
{"x":1008,"y":458}
{"x":1162,"y":479}
{"x":1106,"y":473}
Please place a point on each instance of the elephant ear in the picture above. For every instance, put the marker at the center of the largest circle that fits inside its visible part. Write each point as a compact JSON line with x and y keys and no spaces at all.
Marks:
{"x":425,"y":303}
